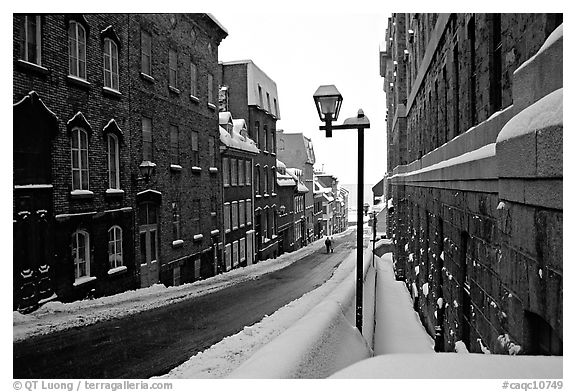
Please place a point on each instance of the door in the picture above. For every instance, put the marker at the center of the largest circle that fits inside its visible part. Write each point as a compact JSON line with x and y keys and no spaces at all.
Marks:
{"x":148,"y":229}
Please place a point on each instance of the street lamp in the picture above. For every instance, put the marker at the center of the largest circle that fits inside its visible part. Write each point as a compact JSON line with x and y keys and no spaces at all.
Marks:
{"x":146,"y":169}
{"x":328,"y":101}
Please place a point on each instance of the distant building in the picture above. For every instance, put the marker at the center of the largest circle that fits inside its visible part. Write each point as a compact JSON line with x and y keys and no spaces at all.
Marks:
{"x":300,"y":227}
{"x":237,"y":153}
{"x":474,"y":182}
{"x":287,"y":190}
{"x":296,"y":150}
{"x":248,"y":93}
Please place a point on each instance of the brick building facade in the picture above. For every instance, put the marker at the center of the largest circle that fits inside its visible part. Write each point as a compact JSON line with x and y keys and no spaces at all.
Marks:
{"x":476,"y":190}
{"x":248,"y":93}
{"x":98,"y":95}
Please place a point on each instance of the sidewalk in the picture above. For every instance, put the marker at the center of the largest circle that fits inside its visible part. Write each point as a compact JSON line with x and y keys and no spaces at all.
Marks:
{"x":397,"y":326}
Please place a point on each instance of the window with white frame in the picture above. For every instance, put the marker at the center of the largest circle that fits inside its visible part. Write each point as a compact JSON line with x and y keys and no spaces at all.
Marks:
{"x":79,"y":159}
{"x":210,"y":88}
{"x":111,"y":78}
{"x":273,"y":179}
{"x":173,"y":68}
{"x":146,"y":51}
{"x":234,"y":215}
{"x":193,"y":80}
{"x":234,"y":171}
{"x":248,"y":172}
{"x":146,"y":139}
{"x":241,"y":213}
{"x":77,"y":50}
{"x":30,"y":41}
{"x":226,"y":171}
{"x":81,"y":254}
{"x":195,"y":149}
{"x":113,"y":162}
{"x":115,"y":259}
{"x":226,"y":217}
{"x":248,"y":211}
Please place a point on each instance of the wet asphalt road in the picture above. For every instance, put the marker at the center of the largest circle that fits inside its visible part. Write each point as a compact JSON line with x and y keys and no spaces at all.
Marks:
{"x":153,"y":342}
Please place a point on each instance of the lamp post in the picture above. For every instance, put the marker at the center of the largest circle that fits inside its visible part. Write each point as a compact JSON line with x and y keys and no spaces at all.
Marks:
{"x":328,"y":101}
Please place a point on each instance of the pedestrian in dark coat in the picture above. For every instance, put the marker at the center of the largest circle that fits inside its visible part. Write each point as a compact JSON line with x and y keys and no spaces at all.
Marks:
{"x":328,"y":244}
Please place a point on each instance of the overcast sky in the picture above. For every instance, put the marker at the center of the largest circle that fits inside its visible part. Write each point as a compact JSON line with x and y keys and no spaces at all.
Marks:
{"x":303,"y":50}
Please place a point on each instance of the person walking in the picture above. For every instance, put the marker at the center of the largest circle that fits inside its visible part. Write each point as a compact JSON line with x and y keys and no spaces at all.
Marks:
{"x":331,"y":245}
{"x":328,"y":244}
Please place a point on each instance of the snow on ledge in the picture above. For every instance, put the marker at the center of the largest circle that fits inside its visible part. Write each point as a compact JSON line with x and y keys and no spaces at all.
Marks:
{"x":546,"y":112}
{"x":117,"y":270}
{"x":84,"y":279}
{"x":553,"y":37}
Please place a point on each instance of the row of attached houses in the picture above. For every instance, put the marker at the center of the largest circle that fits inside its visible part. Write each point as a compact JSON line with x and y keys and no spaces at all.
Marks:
{"x":334,"y":203}
{"x":140,"y":159}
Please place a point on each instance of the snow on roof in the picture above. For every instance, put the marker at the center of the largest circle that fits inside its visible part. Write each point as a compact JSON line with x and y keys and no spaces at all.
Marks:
{"x":238,"y":141}
{"x":455,"y":366}
{"x":280,"y":164}
{"x":240,"y":126}
{"x":545,"y":112}
{"x":285,"y":180}
{"x":217,"y":23}
{"x":224,"y":118}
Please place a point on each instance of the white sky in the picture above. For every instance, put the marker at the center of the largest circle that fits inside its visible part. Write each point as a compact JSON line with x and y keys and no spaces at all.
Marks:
{"x":301,"y":51}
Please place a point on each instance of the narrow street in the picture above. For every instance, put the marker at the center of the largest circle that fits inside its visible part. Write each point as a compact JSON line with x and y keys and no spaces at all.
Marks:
{"x":153,"y":342}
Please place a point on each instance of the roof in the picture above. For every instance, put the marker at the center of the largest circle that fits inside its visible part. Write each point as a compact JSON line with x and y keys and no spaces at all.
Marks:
{"x":285,"y":180}
{"x":217,"y":23}
{"x":237,"y":141}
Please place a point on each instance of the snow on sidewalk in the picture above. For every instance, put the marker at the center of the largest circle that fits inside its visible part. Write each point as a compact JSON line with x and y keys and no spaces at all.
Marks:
{"x":398,"y":328}
{"x":57,"y":316}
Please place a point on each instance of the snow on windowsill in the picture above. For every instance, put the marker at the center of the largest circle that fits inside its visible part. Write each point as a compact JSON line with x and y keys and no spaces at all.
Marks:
{"x":213,"y":170}
{"x":117,"y":270}
{"x":177,"y":243}
{"x":176,"y":168}
{"x":194,"y":98}
{"x":84,"y":279}
{"x":81,"y":193}
{"x":79,"y":81}
{"x":211,"y":106}
{"x":198,"y":237}
{"x":34,"y":186}
{"x":111,"y":191}
{"x":196,"y":169}
{"x":215,"y":232}
{"x":147,"y":77}
{"x":111,"y":91}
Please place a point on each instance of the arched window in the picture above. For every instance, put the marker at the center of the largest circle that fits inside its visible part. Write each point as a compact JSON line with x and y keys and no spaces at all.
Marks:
{"x":79,"y":159}
{"x":111,"y":78}
{"x":115,"y":247}
{"x":77,"y":50}
{"x":81,"y":254}
{"x":113,"y":162}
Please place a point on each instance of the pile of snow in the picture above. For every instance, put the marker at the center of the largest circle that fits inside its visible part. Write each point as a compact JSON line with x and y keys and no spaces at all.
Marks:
{"x":553,"y":37}
{"x":544,"y":113}
{"x":455,"y":366}
{"x":300,"y":333}
{"x":58,"y":316}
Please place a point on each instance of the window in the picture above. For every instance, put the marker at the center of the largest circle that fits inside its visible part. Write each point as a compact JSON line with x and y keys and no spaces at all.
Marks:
{"x":214,"y":210}
{"x":265,"y":137}
{"x":260,"y":101}
{"x":256,"y":135}
{"x":115,"y":247}
{"x":268,"y":102}
{"x":234,"y":215}
{"x":146,"y":139}
{"x":275,"y":108}
{"x":174,"y":144}
{"x":273,"y":179}
{"x":241,"y":213}
{"x":113,"y":162}
{"x":265,"y":179}
{"x":195,"y":152}
{"x":472,"y":42}
{"x":193,"y":80}
{"x":196,"y":216}
{"x":242,"y":249}
{"x":248,"y":212}
{"x":248,"y":172}
{"x":273,"y":134}
{"x":77,"y":50}
{"x":146,"y":48}
{"x":234,"y":171}
{"x":226,"y":171}
{"x":226,"y":217}
{"x":211,"y":151}
{"x":264,"y":227}
{"x":111,"y":78}
{"x":30,"y":41}
{"x":176,"y":235}
{"x":235,"y":253}
{"x":81,"y":254}
{"x":496,"y":74}
{"x":257,"y":180}
{"x":172,"y":68}
{"x":79,"y":159}
{"x":241,"y":176}
{"x":210,"y":88}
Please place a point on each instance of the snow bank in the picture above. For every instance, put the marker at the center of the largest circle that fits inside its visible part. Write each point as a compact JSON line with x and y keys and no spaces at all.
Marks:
{"x":57,"y":316}
{"x":453,"y":366}
{"x":322,"y":342}
{"x":553,"y":37}
{"x":544,"y":113}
